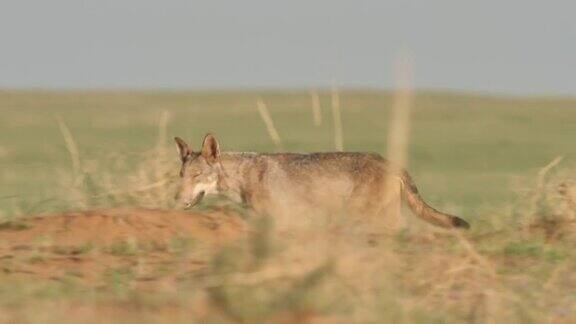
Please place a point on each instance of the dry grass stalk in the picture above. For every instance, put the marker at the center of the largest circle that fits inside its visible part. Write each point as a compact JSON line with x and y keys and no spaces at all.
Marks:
{"x":265,"y":115}
{"x":162,"y":130}
{"x":540,"y":190}
{"x":399,"y":132}
{"x":70,"y":145}
{"x":544,"y":171}
{"x":159,"y":161}
{"x":338,"y":133}
{"x":568,"y":193}
{"x":72,"y":148}
{"x":316,"y":108}
{"x":399,"y":129}
{"x":136,"y":190}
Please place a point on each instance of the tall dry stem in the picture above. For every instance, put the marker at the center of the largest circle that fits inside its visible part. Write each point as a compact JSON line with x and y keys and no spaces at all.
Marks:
{"x":162,"y":129}
{"x":539,"y":191}
{"x":316,"y":108}
{"x":70,"y":145}
{"x":338,"y":133}
{"x":74,"y":158}
{"x":265,"y":115}
{"x":160,"y":146}
{"x":399,"y":132}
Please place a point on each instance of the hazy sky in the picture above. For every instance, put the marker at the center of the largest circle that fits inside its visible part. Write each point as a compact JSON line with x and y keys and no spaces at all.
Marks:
{"x":505,"y":46}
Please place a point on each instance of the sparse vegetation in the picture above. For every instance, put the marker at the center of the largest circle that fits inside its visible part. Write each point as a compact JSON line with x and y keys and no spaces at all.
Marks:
{"x":492,"y":160}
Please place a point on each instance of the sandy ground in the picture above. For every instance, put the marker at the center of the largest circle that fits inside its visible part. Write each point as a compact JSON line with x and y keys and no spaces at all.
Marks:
{"x":90,"y":247}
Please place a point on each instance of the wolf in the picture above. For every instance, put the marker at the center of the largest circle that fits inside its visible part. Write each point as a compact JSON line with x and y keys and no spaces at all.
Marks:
{"x":290,"y":184}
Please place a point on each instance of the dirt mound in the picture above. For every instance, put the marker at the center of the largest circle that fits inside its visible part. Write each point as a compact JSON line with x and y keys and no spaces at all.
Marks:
{"x":137,"y":244}
{"x":111,"y":226}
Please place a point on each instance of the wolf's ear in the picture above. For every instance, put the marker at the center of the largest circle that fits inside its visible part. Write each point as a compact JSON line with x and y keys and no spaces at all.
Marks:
{"x":183,"y":149}
{"x":210,"y":149}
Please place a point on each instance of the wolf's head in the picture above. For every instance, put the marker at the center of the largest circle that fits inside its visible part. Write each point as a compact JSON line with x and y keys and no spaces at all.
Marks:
{"x":201,"y":172}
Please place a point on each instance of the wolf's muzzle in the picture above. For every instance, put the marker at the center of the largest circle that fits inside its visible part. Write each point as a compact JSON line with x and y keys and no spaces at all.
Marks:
{"x":195,"y":200}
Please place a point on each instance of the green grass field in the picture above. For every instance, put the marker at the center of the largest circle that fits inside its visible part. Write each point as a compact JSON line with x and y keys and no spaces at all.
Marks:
{"x":481,"y":157}
{"x":467,"y":153}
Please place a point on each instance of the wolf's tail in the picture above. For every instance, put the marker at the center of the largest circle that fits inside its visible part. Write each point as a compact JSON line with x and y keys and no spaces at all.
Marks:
{"x":423,"y":210}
